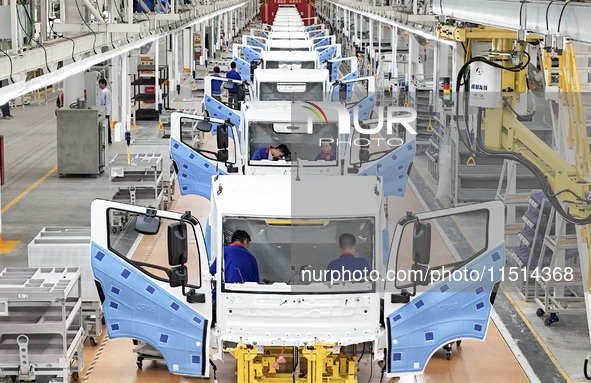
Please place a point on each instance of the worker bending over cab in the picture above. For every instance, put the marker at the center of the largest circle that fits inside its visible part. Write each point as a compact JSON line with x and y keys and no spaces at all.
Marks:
{"x":270,"y":153}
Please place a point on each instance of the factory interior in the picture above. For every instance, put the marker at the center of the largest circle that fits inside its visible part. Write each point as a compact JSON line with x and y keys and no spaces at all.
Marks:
{"x":295,"y":191}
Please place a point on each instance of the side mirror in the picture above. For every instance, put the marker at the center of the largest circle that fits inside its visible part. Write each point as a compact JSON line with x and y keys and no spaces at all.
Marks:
{"x":222,"y":155}
{"x":364,"y":148}
{"x":343,"y":92}
{"x":177,"y":244}
{"x":421,"y":243}
{"x":204,"y":126}
{"x":147,"y":223}
{"x":222,"y":136}
{"x":178,"y":276}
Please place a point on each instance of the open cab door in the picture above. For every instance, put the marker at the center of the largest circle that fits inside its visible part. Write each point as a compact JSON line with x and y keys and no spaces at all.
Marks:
{"x":195,"y":166}
{"x":446,"y":281}
{"x":358,"y":95}
{"x":221,"y":109}
{"x":164,"y":301}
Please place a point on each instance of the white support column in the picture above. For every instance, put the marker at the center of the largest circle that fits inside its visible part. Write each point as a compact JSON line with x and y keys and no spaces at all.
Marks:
{"x":380,"y":29}
{"x":116,"y":84}
{"x":14,"y":27}
{"x":370,"y":44}
{"x":413,"y":59}
{"x":218,"y":40}
{"x":435,"y":75}
{"x":356,"y":22}
{"x":174,"y":63}
{"x":394,"y":45}
{"x":211,"y":36}
{"x":157,"y":73}
{"x":457,"y":62}
{"x":129,"y":12}
{"x":203,"y":53}
{"x":187,"y":50}
{"x":125,"y":96}
{"x":444,"y":52}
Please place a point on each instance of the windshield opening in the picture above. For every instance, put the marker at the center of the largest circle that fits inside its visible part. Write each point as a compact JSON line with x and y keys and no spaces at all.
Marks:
{"x":304,"y":252}
{"x":302,"y":144}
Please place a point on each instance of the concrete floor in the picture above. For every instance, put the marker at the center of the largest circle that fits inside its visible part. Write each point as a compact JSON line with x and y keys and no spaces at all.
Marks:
{"x":29,"y":205}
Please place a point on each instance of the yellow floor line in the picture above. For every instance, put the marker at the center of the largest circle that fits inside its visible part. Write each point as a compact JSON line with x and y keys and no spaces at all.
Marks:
{"x":546,"y":349}
{"x":28,"y":190}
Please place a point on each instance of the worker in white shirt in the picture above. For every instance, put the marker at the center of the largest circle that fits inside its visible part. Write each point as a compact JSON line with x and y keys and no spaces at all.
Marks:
{"x":105,"y":101}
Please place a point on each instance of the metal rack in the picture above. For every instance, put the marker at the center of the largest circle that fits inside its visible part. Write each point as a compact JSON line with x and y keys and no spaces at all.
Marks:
{"x":41,"y":332}
{"x":558,"y":292}
{"x":158,"y":147}
{"x":142,"y":94}
{"x":140,"y":182}
{"x":67,"y":247}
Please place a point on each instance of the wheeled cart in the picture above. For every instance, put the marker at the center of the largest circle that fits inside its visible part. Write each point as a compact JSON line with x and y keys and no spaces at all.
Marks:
{"x":41,"y":330}
{"x":70,"y":246}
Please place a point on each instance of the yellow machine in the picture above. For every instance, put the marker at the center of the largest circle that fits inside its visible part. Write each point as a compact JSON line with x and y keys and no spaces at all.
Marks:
{"x":320,"y":362}
{"x":505,"y":136}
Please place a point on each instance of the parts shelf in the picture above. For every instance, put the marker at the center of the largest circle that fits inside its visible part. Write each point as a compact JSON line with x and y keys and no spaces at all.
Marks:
{"x":70,"y":246}
{"x":41,"y":332}
{"x":140,"y":182}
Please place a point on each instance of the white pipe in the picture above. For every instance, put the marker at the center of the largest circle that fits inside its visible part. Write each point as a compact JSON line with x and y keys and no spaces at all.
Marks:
{"x":506,"y":14}
{"x":94,"y":11}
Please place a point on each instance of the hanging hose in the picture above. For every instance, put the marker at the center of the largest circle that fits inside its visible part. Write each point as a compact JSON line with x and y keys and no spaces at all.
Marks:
{"x":585,"y":366}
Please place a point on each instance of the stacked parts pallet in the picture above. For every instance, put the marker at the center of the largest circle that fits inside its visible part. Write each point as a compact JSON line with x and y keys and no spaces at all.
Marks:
{"x":70,"y":247}
{"x":41,"y":332}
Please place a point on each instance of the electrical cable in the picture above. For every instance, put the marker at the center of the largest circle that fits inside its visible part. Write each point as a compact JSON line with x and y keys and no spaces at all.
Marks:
{"x":560,"y":17}
{"x":10,"y":60}
{"x":548,"y":9}
{"x":45,"y":54}
{"x":62,"y":36}
{"x":362,"y":353}
{"x":88,"y":26}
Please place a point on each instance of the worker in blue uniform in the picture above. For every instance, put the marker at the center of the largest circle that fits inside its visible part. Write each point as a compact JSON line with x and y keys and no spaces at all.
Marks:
{"x":216,"y":86}
{"x":239,"y":264}
{"x":326,"y":154}
{"x":347,"y":263}
{"x":233,"y":92}
{"x":270,"y":153}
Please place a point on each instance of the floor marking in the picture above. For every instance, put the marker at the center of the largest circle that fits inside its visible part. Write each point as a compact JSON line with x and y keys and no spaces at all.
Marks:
{"x":96,"y":357}
{"x":546,"y":349}
{"x":28,"y":190}
{"x":521,"y":359}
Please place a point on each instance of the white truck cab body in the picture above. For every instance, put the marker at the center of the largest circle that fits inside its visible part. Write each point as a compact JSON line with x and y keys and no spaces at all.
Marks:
{"x":299,"y":304}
